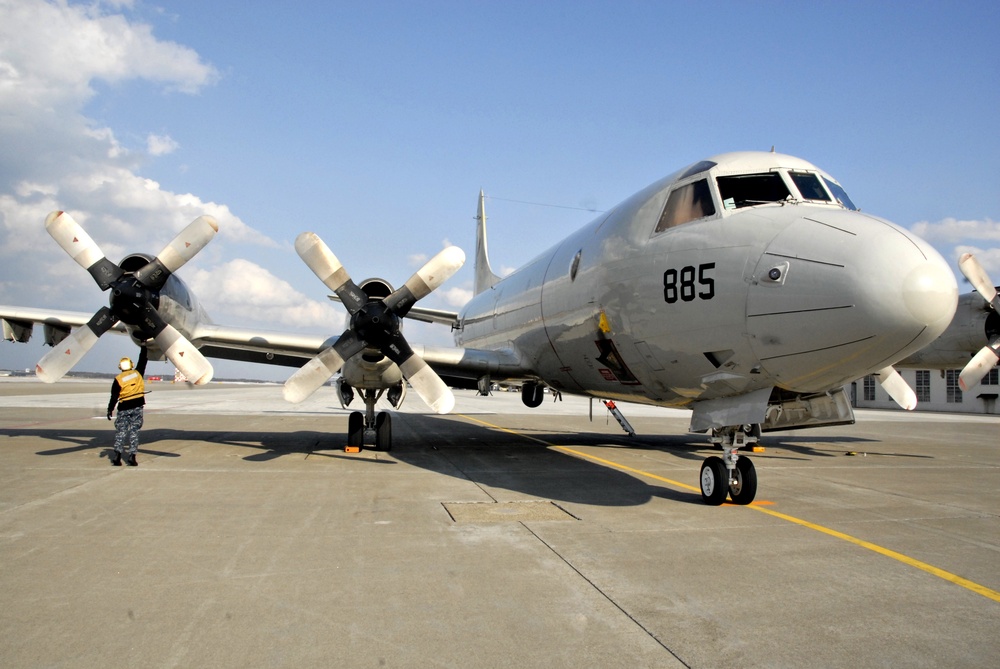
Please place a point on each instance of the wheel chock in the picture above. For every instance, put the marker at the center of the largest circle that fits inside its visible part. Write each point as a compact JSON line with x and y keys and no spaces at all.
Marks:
{"x":758,"y":449}
{"x":352,"y":449}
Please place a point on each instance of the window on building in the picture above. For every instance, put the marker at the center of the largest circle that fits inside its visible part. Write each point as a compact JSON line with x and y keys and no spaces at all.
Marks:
{"x":992,"y":378}
{"x":923,"y":385}
{"x":954,"y":395}
{"x":869,"y":388}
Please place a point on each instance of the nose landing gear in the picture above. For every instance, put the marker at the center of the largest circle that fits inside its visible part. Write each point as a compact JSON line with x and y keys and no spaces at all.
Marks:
{"x":731,"y":475}
{"x":371,"y":426}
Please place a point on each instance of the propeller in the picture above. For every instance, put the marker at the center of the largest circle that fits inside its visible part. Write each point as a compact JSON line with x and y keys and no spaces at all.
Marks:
{"x":133,"y":297}
{"x":987,"y":356}
{"x":897,"y":387}
{"x":375,"y":323}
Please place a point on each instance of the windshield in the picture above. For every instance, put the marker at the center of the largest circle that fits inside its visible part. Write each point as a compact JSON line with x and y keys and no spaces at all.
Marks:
{"x":746,"y":190}
{"x":809,"y":186}
{"x":840,"y":194}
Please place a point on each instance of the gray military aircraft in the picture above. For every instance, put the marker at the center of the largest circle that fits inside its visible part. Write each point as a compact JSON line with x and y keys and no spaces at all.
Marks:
{"x":747,"y":288}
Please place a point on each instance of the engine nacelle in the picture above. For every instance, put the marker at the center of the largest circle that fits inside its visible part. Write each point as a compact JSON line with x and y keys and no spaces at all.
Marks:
{"x":175,"y":302}
{"x":973,"y":326}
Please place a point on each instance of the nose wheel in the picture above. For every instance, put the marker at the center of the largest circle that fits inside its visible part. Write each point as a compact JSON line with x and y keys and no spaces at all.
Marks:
{"x":371,"y":426}
{"x":732,"y":475}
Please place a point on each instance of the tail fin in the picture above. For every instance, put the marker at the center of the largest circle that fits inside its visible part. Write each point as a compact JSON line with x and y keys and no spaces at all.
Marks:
{"x":485,"y":278}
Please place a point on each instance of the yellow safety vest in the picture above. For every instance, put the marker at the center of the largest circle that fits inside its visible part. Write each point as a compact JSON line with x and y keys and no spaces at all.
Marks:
{"x":131,"y":384}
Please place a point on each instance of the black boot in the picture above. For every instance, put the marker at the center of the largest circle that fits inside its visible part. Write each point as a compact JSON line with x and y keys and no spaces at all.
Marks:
{"x":131,"y":460}
{"x":116,"y":459}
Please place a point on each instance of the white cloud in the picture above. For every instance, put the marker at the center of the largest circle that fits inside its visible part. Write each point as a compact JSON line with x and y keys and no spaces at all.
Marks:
{"x":160,"y":145}
{"x":955,"y":230}
{"x":53,"y":51}
{"x":455,"y":297}
{"x":51,"y":55}
{"x":240,"y":291}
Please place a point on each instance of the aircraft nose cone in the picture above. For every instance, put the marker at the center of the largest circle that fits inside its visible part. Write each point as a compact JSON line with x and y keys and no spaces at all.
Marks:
{"x":930,"y":293}
{"x":839,"y":294}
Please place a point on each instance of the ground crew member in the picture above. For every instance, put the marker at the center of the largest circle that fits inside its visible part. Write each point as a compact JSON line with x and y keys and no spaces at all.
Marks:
{"x":129,"y":392}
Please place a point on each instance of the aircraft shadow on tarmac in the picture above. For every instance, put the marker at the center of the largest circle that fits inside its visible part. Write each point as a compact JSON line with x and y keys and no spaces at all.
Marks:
{"x":488,"y":457}
{"x":494,"y":459}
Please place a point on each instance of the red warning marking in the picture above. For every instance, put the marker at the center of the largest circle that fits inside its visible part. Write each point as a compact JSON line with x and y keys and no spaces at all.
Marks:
{"x":187,"y":244}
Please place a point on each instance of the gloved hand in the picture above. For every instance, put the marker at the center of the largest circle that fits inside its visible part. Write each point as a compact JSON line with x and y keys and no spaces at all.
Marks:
{"x":109,"y":415}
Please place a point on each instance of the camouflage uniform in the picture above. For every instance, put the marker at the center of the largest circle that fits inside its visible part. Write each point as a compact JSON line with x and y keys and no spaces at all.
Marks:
{"x":127,"y":424}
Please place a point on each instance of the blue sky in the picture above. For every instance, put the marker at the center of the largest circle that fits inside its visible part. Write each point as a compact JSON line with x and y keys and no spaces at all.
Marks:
{"x":375,"y":125}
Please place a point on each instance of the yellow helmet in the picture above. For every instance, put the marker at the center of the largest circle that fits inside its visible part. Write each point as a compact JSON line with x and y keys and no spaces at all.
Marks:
{"x":125,"y":364}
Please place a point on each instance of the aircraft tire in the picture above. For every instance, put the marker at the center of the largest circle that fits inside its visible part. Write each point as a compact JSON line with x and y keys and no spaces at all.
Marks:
{"x":356,"y":429}
{"x":383,"y":431}
{"x":744,"y":491}
{"x":532,"y":394}
{"x":714,"y":487}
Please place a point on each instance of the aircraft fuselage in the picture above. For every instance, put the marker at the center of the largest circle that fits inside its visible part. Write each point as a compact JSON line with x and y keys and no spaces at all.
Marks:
{"x":714,"y":283}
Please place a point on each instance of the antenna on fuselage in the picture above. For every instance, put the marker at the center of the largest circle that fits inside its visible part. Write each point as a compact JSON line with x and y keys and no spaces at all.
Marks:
{"x":485,"y":278}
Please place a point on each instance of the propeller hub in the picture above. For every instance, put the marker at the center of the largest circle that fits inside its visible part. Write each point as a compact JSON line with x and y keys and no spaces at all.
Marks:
{"x":375,"y":323}
{"x":129,"y":299}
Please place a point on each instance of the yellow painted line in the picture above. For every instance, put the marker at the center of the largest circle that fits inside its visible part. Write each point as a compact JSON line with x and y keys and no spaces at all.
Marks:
{"x":761,"y":506}
{"x":923,"y":566}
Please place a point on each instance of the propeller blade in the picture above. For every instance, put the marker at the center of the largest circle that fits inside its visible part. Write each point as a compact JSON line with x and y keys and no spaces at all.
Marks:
{"x":64,"y":355}
{"x":425,"y":381}
{"x":312,"y":375}
{"x":428,"y":384}
{"x":185,"y":356}
{"x":896,"y":386}
{"x":977,"y":276}
{"x":320,"y":259}
{"x":980,"y":364}
{"x":78,"y":244}
{"x":436,"y":271}
{"x":181,"y":249}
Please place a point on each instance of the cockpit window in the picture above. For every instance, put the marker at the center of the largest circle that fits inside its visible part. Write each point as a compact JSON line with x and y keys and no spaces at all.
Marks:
{"x":746,"y":190}
{"x":840,"y":194}
{"x":687,"y":203}
{"x":696,"y":168}
{"x":809,"y":186}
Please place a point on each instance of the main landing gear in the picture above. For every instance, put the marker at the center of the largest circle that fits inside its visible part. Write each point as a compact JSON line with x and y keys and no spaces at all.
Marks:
{"x":732,"y":474}
{"x":373,"y":427}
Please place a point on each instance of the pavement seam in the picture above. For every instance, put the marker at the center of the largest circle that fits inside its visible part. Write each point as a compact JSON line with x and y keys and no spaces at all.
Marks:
{"x":605,"y":595}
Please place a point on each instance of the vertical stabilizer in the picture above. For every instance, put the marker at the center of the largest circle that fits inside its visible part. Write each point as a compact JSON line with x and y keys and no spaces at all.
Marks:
{"x":485,"y":278}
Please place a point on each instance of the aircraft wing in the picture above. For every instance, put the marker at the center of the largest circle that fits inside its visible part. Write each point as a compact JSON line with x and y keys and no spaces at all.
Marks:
{"x":18,"y":323}
{"x":423,"y":314}
{"x":259,"y":346}
{"x":470,"y":364}
{"x":267,"y":347}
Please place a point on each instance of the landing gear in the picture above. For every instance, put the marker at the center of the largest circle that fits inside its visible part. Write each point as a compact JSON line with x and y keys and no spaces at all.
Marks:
{"x":731,"y":474}
{"x":714,"y":481}
{"x":532,"y":394}
{"x":371,"y":426}
{"x":383,"y":431}
{"x":356,"y":429}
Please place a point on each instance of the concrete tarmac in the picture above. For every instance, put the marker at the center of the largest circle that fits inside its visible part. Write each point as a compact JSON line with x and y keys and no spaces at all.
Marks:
{"x":497,"y":536}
